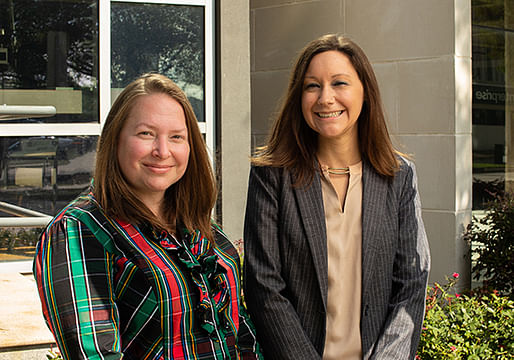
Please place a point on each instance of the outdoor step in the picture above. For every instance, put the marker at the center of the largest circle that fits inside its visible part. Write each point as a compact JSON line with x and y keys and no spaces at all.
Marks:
{"x":31,"y":354}
{"x":21,"y":320}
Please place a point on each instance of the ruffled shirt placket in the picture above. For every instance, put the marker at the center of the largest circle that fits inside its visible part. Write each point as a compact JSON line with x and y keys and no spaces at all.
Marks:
{"x":208,"y":276}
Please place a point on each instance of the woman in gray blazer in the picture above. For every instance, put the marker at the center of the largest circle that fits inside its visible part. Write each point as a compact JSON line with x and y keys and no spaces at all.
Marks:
{"x":336,"y":256}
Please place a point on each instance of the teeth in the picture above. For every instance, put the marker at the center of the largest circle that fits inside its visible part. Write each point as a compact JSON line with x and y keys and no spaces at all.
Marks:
{"x":328,"y":115}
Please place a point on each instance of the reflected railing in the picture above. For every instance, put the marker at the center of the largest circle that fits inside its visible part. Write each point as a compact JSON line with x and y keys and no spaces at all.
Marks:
{"x":22,"y":217}
{"x":13,"y":112}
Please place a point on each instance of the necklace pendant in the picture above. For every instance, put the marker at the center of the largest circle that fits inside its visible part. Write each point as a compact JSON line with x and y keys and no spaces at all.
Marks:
{"x":338,"y":171}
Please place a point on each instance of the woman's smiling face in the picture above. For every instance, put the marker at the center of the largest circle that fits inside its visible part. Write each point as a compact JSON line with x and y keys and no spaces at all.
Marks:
{"x":153,"y":150}
{"x":332,"y":95}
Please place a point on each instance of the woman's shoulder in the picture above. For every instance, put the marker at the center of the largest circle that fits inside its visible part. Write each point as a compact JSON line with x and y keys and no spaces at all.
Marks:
{"x":85,"y":203}
{"x":407,"y":167}
{"x":271,"y":174}
{"x":84,"y":209}
{"x":405,"y":172}
{"x":83,"y":216}
{"x":405,"y":163}
{"x":406,"y":176}
{"x":268,"y":169}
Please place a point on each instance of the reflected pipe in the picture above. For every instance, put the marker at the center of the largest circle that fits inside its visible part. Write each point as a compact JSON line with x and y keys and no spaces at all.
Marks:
{"x":24,"y":217}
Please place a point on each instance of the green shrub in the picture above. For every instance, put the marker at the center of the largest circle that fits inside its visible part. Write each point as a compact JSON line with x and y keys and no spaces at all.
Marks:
{"x":476,"y":326}
{"x":493,"y":236}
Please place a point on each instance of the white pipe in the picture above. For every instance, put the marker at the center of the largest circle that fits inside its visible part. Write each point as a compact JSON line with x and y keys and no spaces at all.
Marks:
{"x":25,"y":221}
{"x":19,"y":211}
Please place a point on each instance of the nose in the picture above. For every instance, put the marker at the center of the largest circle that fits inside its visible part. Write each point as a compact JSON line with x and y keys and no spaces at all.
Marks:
{"x":326,"y":95}
{"x":161,"y":148}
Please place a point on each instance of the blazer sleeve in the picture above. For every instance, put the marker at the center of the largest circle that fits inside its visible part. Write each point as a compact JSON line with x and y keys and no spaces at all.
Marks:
{"x":400,"y":335}
{"x":73,"y":272}
{"x":279,"y":330}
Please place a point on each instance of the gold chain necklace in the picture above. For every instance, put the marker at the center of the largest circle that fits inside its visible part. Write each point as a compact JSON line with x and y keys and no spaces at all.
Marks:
{"x":338,"y":171}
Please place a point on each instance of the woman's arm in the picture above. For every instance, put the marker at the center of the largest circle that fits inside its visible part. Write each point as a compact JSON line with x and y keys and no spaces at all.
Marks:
{"x":400,"y":336}
{"x":247,"y":344}
{"x":279,"y":330}
{"x":246,"y":340}
{"x":74,"y":276}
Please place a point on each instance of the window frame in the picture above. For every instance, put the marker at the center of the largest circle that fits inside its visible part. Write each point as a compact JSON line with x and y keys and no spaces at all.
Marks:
{"x":104,"y":95}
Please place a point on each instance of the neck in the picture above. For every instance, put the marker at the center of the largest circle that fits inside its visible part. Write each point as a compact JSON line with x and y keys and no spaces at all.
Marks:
{"x":168,"y":223}
{"x":338,"y":153}
{"x":155,"y":206}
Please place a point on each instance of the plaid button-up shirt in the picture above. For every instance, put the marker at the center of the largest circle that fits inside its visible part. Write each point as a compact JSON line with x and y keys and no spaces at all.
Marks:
{"x":111,"y":290}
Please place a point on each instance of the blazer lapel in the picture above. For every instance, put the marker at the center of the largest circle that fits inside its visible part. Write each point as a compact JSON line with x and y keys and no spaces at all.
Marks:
{"x":310,"y":205}
{"x":374,"y":195}
{"x":312,"y":215}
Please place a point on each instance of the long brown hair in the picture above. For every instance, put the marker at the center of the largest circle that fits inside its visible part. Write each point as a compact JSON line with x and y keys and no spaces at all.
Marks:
{"x":190,"y":200}
{"x":293,"y":144}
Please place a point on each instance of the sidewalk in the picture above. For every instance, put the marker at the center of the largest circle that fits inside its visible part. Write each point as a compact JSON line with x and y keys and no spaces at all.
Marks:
{"x":22,"y":328}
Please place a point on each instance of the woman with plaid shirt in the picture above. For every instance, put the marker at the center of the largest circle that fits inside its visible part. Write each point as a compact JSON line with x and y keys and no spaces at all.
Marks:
{"x":134,"y":268}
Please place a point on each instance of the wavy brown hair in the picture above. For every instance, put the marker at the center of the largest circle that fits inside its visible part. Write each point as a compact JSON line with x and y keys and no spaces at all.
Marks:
{"x":292,"y":144}
{"x":190,"y":200}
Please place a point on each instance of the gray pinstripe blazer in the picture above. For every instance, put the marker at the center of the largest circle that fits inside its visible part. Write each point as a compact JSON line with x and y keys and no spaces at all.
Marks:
{"x":285,"y":273}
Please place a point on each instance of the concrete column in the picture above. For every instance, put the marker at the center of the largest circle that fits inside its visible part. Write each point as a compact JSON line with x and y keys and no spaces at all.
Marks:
{"x":235,"y":113}
{"x":422,"y":55}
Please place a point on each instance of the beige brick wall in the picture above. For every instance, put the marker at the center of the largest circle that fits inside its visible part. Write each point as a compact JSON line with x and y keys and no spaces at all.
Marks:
{"x":421,"y":52}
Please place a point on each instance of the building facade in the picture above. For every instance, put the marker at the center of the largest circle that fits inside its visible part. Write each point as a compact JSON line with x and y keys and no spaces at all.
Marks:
{"x":62,"y":63}
{"x":451,"y":114}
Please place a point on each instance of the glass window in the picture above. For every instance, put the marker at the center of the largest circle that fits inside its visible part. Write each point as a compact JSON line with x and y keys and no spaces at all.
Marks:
{"x":39,"y":175}
{"x":62,"y":63}
{"x":162,"y":38}
{"x":18,"y":243}
{"x":43,"y":173}
{"x":48,"y":57}
{"x":493,"y":99}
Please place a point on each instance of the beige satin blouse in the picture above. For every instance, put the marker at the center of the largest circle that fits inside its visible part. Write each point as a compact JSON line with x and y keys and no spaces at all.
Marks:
{"x":344,"y":245}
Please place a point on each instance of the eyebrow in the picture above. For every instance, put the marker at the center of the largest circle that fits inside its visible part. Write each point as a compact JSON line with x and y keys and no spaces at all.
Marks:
{"x":333,"y":76}
{"x":151,"y":126}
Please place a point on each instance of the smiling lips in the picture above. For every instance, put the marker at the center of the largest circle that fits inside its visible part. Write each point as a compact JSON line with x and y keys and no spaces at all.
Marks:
{"x":326,"y":115}
{"x":158,"y":168}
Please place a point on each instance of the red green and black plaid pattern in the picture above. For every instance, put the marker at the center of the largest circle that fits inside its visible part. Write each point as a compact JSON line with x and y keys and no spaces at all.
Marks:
{"x":111,"y":290}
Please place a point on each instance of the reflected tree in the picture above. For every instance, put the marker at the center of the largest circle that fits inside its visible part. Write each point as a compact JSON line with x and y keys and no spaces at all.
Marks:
{"x":161,"y":38}
{"x":50,"y":43}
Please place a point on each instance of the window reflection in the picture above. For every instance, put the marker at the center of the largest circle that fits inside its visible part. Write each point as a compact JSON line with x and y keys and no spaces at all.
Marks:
{"x":168,"y":39}
{"x":44,"y":173}
{"x":48,"y":56}
{"x":493,"y":99}
{"x":18,"y":243}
